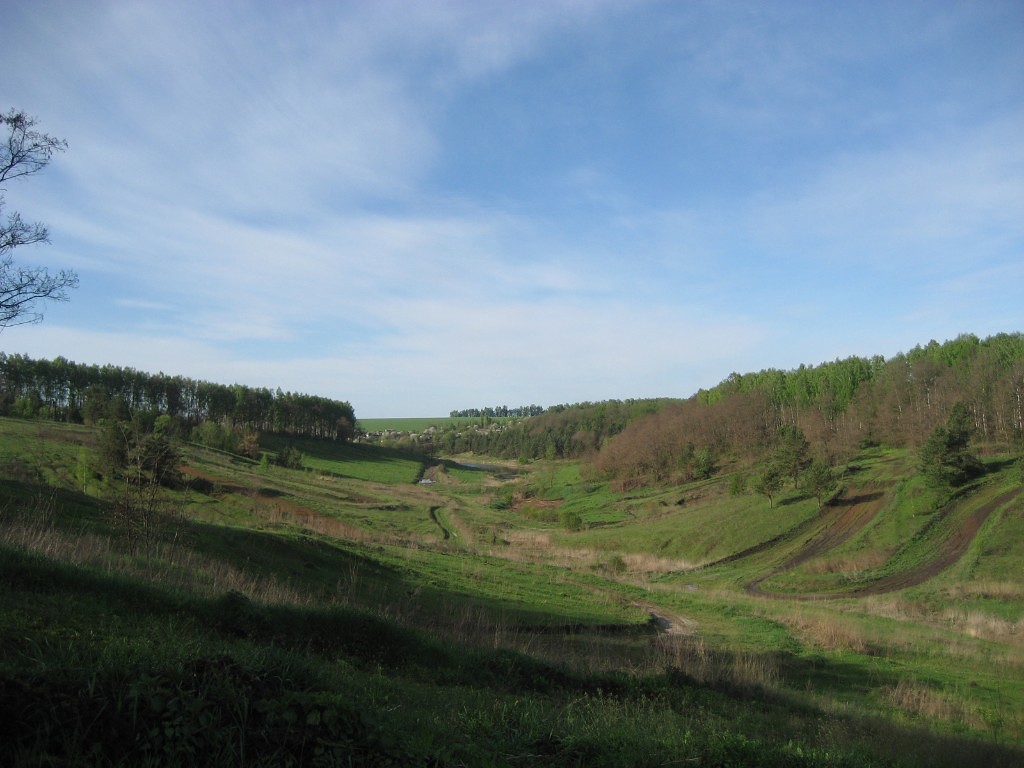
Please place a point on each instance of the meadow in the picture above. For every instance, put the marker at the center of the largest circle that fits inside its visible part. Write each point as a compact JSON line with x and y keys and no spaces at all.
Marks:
{"x":503,"y":614}
{"x":419,"y":424}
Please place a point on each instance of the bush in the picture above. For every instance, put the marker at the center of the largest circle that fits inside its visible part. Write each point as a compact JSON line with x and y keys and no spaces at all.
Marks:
{"x":571,"y":520}
{"x":291,"y":457}
{"x":737,"y":484}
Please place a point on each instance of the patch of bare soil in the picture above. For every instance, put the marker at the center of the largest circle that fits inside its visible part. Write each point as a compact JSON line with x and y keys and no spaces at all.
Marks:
{"x":519,"y":502}
{"x":669,"y":622}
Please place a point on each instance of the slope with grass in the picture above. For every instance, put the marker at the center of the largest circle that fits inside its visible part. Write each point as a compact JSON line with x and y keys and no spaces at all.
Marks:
{"x":322,"y":616}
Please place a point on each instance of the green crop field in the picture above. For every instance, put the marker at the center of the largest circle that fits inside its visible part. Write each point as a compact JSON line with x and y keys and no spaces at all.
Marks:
{"x":414,"y":424}
{"x":501,"y":614}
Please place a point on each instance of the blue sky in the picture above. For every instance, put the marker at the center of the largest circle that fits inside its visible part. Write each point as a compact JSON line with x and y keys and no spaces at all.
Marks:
{"x":422,"y":206}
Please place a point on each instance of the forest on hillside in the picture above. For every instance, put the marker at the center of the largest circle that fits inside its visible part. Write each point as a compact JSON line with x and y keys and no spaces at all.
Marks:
{"x":840,"y":406}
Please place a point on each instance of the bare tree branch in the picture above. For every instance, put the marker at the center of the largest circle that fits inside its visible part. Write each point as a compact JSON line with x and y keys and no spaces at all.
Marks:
{"x":25,"y":152}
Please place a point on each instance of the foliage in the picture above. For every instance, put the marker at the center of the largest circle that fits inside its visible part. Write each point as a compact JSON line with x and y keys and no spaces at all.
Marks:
{"x":74,"y":392}
{"x":25,"y":152}
{"x":138,"y":464}
{"x":792,"y":455}
{"x":704,"y":464}
{"x":562,"y":431}
{"x":768,"y":483}
{"x":945,"y":459}
{"x":224,"y":436}
{"x":737,"y":484}
{"x":819,"y":481}
{"x":288,"y":637}
{"x":498,"y":411}
{"x":830,"y":411}
{"x":291,"y":457}
{"x":571,"y":520}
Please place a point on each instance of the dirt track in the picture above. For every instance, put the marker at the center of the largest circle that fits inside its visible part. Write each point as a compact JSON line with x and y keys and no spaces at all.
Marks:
{"x":953,"y":549}
{"x":841,"y":521}
{"x":859,"y":511}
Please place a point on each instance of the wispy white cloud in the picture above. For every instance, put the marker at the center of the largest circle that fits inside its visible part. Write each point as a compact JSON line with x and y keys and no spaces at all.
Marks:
{"x":915,"y":205}
{"x":268,"y":193}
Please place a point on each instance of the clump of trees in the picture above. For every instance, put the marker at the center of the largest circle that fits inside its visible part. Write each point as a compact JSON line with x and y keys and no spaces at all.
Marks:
{"x":223,"y":436}
{"x":290,"y":457}
{"x":820,"y":481}
{"x":945,"y":459}
{"x":497,"y":412}
{"x":139,"y":460}
{"x":791,"y":462}
{"x":561,"y":431}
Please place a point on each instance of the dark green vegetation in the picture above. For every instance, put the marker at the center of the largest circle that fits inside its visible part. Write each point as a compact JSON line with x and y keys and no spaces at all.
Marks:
{"x":63,"y":390}
{"x":331,"y":603}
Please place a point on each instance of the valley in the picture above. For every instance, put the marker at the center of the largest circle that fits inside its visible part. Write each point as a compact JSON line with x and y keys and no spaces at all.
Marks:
{"x":876,"y":630}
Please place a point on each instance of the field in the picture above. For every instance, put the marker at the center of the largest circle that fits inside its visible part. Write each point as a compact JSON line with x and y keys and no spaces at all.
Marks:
{"x":347,"y":613}
{"x":418,"y":424}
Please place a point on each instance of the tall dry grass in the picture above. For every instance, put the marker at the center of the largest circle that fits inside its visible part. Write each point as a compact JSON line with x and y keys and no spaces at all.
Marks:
{"x":971,"y":623}
{"x":850,"y":565}
{"x":694,"y":658}
{"x":32,"y":529}
{"x":918,"y":699}
{"x":827,"y":632}
{"x":985,"y":626}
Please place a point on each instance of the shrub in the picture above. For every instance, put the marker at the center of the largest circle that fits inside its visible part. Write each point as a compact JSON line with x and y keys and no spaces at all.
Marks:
{"x":291,"y":457}
{"x":737,"y":484}
{"x":571,"y":520}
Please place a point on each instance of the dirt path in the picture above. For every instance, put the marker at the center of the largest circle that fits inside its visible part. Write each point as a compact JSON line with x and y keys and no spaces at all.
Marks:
{"x":444,"y":531}
{"x":669,"y":622}
{"x":850,"y":515}
{"x":843,"y":518}
{"x":951,"y":550}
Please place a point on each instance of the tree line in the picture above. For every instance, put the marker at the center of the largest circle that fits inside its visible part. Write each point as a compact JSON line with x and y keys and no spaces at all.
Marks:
{"x":498,"y":412}
{"x":839,"y":406}
{"x":63,"y":390}
{"x":560,"y":431}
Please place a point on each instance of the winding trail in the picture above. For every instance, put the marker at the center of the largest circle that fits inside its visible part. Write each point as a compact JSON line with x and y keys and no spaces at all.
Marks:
{"x":842,"y":519}
{"x":861,"y":509}
{"x":952,"y":550}
{"x":437,"y":521}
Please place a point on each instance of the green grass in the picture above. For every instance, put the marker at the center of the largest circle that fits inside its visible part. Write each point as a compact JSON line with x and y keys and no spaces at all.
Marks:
{"x":318,"y":615}
{"x":225,"y":680}
{"x":419,"y":424}
{"x":360,"y":462}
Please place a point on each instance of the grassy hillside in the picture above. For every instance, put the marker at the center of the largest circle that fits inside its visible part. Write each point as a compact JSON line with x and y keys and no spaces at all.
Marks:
{"x":520,"y":614}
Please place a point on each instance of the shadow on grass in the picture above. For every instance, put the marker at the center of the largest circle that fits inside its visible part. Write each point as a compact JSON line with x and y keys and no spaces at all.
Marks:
{"x":337,"y":450}
{"x":849,"y":501}
{"x":225,"y":655}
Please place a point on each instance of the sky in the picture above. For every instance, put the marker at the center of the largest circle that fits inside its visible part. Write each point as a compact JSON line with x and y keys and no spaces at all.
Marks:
{"x":425,"y":206}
